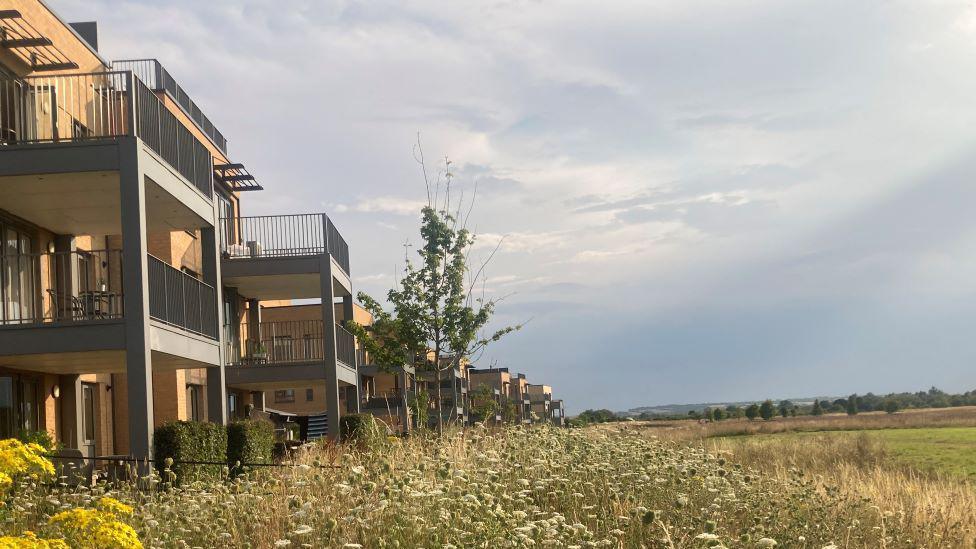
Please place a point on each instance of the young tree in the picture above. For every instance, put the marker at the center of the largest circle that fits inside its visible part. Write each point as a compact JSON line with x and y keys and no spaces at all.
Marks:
{"x":718,"y":414}
{"x":817,"y":408}
{"x":484,"y":407}
{"x":767,"y":410}
{"x":437,"y":321}
{"x":852,"y":405}
{"x":733,"y":411}
{"x":752,"y":411}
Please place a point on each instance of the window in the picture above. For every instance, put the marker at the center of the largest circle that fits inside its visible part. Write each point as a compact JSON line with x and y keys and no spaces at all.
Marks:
{"x":309,"y":395}
{"x":19,"y":405}
{"x":285,"y":395}
{"x":17,"y":274}
{"x":88,"y":411}
{"x":232,"y":405}
{"x":194,"y":410}
{"x":225,"y":210}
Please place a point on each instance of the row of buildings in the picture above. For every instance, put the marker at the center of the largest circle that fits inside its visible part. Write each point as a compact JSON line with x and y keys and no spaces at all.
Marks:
{"x":132,"y":289}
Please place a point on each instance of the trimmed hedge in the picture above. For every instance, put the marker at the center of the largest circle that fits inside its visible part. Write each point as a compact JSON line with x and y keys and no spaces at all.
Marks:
{"x":249,"y":441}
{"x":191,"y":441}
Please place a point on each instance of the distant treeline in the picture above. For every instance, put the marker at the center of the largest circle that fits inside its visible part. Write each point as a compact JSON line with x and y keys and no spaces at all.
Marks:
{"x":768,"y":409}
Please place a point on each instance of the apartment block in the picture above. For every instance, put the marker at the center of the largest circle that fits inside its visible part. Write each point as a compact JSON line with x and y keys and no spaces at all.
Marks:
{"x":133,"y":290}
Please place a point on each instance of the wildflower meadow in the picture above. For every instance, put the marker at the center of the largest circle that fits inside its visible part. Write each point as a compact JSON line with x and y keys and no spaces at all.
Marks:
{"x":512,"y":487}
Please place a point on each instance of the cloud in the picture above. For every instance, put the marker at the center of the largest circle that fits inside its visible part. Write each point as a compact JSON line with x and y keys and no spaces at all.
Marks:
{"x":767,"y":208}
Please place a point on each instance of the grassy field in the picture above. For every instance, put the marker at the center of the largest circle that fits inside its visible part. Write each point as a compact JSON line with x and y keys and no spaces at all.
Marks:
{"x":607,"y":486}
{"x":949,"y":451}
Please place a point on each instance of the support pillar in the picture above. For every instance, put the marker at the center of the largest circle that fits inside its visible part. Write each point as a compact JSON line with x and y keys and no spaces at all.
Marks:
{"x":329,"y":347}
{"x":135,"y":288}
{"x":216,"y":380}
{"x":72,"y":412}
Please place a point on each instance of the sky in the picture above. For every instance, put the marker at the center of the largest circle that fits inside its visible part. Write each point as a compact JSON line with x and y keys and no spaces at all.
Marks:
{"x":696,"y":201}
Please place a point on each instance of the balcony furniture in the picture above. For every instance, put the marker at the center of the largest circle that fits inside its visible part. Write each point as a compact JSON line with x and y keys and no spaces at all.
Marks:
{"x":100,"y":304}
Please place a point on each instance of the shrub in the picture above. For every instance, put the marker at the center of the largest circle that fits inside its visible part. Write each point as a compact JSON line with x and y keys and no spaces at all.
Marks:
{"x":184,"y":441}
{"x":361,"y":429}
{"x":42,"y":438}
{"x":249,"y":441}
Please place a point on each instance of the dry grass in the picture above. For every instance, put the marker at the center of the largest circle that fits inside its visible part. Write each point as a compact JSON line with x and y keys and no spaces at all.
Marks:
{"x":857,"y":466}
{"x":689,"y":430}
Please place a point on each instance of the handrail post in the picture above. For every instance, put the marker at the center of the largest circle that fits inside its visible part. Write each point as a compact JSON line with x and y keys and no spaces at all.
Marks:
{"x":130,"y":106}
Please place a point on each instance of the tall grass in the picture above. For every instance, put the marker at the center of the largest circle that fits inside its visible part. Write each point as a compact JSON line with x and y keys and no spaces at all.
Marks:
{"x":938,"y":511}
{"x":516,"y":487}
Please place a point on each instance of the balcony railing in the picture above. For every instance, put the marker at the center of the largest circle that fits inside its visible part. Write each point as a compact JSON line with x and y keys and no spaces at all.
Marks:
{"x":283,"y":236}
{"x":61,"y":287}
{"x":158,"y":79}
{"x":345,"y":347}
{"x":292,"y":341}
{"x":391,"y":399}
{"x":105,"y":105}
{"x":181,"y":300}
{"x":283,"y":342}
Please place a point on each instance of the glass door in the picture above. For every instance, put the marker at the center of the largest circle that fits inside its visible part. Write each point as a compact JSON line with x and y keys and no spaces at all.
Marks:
{"x":16,"y":277}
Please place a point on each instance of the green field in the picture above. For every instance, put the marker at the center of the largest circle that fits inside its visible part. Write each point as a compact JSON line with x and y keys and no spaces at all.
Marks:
{"x":949,"y":450}
{"x":946,"y":450}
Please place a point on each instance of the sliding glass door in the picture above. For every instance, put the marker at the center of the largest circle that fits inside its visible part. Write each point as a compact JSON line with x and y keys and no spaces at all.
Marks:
{"x":17,"y":288}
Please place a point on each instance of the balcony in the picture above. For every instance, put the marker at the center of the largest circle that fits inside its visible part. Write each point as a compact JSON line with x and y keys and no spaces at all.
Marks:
{"x":293,"y":341}
{"x":81,"y":108}
{"x":283,"y":236}
{"x":65,"y":312}
{"x":392,"y":401}
{"x":61,"y":287}
{"x":158,"y":79}
{"x":181,"y":300}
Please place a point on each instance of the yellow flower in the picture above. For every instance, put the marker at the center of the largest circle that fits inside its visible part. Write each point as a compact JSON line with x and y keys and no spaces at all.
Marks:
{"x":114,"y":506}
{"x":17,"y":458}
{"x":96,"y":529}
{"x":30,"y":541}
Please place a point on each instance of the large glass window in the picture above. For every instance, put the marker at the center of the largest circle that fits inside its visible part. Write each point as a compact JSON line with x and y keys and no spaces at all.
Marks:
{"x":17,"y":273}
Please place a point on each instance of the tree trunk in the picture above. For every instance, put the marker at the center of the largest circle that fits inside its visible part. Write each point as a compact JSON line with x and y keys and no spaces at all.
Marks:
{"x":440,"y":404}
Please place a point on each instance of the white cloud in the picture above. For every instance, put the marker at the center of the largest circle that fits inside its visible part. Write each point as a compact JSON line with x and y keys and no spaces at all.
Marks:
{"x":660,"y":161}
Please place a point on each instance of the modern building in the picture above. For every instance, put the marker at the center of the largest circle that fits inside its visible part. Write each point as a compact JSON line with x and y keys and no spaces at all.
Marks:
{"x":540,"y":402}
{"x":133,"y":290}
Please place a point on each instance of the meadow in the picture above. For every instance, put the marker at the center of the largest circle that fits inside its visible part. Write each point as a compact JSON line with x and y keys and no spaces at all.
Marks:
{"x":606,"y":486}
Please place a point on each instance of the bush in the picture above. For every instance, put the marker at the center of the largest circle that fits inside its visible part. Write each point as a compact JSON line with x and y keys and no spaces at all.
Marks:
{"x":249,"y":441}
{"x":42,"y":438}
{"x":184,"y":441}
{"x":361,"y":429}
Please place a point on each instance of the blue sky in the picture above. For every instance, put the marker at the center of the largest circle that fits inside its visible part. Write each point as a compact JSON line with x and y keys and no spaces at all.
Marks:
{"x":700,"y":201}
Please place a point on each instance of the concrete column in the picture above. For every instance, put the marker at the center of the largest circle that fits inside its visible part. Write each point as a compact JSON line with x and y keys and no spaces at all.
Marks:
{"x":216,"y":381}
{"x":135,"y":288}
{"x":253,"y":325}
{"x":71,"y":411}
{"x":329,"y":347}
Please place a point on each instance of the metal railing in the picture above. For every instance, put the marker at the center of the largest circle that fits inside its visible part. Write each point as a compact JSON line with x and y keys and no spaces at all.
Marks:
{"x":283,"y":342}
{"x":61,"y":287}
{"x":283,"y":236}
{"x":152,"y":72}
{"x":42,"y":109}
{"x":80,"y":107}
{"x":391,"y":399}
{"x":181,"y":300}
{"x":345,"y":346}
